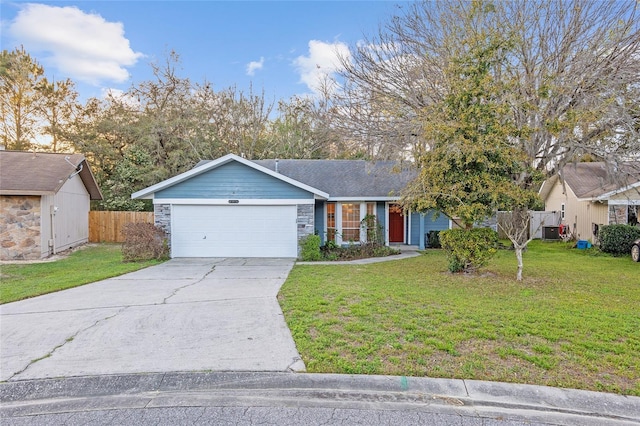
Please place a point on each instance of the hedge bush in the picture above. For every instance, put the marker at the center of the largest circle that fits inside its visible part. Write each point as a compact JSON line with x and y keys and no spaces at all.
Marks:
{"x":144,"y":241}
{"x":469,"y":249}
{"x":310,"y":248}
{"x":617,"y":239}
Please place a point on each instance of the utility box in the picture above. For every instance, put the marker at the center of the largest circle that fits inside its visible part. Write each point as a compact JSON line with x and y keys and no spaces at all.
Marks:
{"x":550,"y":233}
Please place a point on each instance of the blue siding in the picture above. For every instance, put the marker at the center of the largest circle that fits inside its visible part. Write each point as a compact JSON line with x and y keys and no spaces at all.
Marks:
{"x":235,"y":181}
{"x":415,"y":228}
{"x":430,"y":224}
{"x":380,"y":213}
{"x":319,"y":220}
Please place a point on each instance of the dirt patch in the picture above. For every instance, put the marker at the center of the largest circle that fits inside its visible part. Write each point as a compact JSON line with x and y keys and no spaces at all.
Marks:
{"x":58,"y":256}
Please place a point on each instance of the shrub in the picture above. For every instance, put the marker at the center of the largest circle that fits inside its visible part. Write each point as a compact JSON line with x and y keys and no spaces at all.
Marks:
{"x":468,"y":249}
{"x":373,"y":228}
{"x":144,"y":241}
{"x":310,"y":248}
{"x":617,"y":239}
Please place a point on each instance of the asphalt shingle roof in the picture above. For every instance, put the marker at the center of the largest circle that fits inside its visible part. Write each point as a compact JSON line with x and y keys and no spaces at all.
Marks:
{"x":590,"y":180}
{"x":346,"y":178}
{"x":40,"y":173}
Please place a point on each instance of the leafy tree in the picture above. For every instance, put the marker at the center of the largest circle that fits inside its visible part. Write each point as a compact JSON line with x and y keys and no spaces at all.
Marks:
{"x":58,"y":110}
{"x":549,"y":83}
{"x":20,"y":101}
{"x":130,"y":174}
{"x":103,"y":132}
{"x":467,"y":170}
{"x":34,"y":111}
{"x":304,"y":129}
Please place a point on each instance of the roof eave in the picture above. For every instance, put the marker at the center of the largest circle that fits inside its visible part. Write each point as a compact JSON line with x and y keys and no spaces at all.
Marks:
{"x":607,"y":195}
{"x":25,"y":192}
{"x":547,"y":186}
{"x":364,"y":198}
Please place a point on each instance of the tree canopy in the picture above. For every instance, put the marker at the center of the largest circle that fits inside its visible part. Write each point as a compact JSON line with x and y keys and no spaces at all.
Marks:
{"x":156,"y":129}
{"x":492,"y":97}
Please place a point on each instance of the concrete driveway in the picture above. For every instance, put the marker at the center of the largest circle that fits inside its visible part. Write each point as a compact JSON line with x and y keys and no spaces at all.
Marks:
{"x":183,"y":315}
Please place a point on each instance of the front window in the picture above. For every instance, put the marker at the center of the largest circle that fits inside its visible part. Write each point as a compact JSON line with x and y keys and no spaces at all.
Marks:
{"x":371,"y":209}
{"x":351,"y":222}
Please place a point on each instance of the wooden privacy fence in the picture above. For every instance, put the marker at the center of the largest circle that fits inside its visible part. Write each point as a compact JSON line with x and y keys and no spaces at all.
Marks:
{"x":106,"y":227}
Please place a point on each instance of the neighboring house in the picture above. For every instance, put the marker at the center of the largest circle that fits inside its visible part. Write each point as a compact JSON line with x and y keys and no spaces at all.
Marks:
{"x":44,"y":203}
{"x":586,"y":197}
{"x":233,"y":207}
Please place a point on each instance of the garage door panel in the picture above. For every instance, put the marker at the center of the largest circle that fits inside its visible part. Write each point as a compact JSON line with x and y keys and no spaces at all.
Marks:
{"x":233,"y":231}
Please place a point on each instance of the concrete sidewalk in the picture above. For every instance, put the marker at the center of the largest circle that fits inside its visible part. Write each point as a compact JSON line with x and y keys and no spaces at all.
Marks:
{"x":303,"y":399}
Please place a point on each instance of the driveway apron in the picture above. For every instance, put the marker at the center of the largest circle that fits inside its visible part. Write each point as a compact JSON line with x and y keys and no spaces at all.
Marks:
{"x":183,"y":315}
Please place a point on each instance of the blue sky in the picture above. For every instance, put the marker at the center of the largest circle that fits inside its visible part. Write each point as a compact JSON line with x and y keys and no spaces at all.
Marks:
{"x":278,"y":46}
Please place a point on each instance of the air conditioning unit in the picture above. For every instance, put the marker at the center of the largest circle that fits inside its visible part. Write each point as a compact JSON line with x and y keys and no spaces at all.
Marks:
{"x":550,"y":233}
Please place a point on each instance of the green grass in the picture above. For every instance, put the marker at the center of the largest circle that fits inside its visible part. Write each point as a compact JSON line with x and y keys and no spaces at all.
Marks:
{"x":572,"y":322}
{"x":90,"y":264}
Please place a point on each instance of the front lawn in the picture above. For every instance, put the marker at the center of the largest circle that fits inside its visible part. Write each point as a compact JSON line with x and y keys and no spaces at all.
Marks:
{"x":573,"y":322}
{"x":89,"y":264}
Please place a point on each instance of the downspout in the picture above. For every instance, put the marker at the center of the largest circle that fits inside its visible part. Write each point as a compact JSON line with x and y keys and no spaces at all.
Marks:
{"x":52,"y":212}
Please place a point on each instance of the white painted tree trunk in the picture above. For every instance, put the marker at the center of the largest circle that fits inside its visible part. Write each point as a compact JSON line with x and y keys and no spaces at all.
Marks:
{"x":518,"y":248}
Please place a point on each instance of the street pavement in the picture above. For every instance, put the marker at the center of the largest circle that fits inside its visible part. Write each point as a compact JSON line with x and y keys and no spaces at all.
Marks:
{"x":252,"y":398}
{"x":203,"y":341}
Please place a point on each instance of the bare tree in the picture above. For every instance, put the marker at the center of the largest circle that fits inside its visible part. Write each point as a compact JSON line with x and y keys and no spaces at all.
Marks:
{"x":237,"y":121}
{"x":571,"y":69}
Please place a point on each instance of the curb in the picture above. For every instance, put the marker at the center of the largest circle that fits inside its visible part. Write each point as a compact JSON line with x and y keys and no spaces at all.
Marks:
{"x":178,"y":389}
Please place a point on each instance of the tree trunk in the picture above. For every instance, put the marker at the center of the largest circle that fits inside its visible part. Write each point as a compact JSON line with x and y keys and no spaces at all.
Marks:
{"x":518,"y":248}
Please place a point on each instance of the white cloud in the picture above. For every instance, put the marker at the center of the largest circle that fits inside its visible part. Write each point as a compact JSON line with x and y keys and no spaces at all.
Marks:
{"x":82,"y":46}
{"x":254,"y":66}
{"x":321,"y":63}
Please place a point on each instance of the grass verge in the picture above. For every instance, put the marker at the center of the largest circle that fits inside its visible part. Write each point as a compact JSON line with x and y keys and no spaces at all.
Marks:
{"x":573,"y":322}
{"x":90,"y":264}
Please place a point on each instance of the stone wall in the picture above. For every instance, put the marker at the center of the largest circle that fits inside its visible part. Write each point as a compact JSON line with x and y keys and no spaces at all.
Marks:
{"x":162,"y":218}
{"x":618,"y":214}
{"x":305,"y":222}
{"x":19,"y":227}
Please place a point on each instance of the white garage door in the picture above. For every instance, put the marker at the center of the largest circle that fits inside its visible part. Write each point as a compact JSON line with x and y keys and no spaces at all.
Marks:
{"x":233,"y":231}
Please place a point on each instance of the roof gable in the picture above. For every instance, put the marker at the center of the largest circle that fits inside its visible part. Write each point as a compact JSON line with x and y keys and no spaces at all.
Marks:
{"x":43,"y":173}
{"x":233,"y":180}
{"x":202,"y":168}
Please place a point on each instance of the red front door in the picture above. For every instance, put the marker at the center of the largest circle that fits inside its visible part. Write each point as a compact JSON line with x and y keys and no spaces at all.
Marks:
{"x":396,"y":224}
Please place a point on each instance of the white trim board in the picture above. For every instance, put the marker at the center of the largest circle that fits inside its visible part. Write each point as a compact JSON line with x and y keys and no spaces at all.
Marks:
{"x":235,"y":201}
{"x":362,"y":199}
{"x":624,"y":202}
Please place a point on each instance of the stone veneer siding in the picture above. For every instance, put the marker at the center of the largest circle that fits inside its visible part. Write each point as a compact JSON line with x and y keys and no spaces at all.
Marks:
{"x":618,"y":214}
{"x":305,"y":222}
{"x":19,"y":227}
{"x":162,"y":218}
